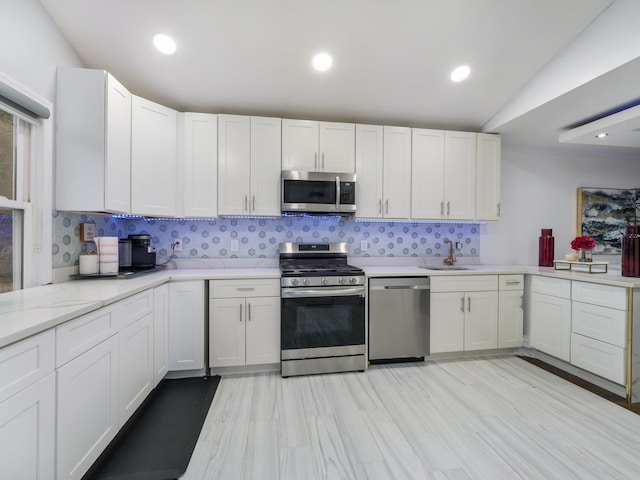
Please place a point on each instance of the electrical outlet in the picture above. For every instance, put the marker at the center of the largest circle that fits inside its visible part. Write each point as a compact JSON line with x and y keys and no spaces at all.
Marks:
{"x":177,"y":246}
{"x":234,"y":245}
{"x":364,"y":245}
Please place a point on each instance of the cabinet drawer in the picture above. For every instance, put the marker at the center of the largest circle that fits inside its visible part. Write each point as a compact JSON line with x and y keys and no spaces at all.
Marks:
{"x":77,"y":336}
{"x":597,"y":357}
{"x":24,"y":363}
{"x":132,"y":308}
{"x":600,"y":323}
{"x":596,"y":294}
{"x":464,"y":283}
{"x":555,"y":287}
{"x":268,"y":287}
{"x":511,"y":282}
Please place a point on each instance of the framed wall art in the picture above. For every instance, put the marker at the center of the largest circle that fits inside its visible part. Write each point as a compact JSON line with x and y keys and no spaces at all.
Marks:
{"x":603,"y":214}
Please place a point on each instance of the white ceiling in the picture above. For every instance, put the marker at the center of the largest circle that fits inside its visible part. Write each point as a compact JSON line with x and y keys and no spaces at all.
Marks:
{"x":392,"y":59}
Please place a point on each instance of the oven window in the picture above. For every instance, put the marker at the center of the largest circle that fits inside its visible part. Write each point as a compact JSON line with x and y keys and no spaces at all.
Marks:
{"x":322,"y":322}
{"x":309,"y":191}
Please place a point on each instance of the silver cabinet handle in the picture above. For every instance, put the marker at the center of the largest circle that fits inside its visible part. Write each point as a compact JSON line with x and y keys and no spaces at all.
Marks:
{"x":322,"y":161}
{"x":240,"y":312}
{"x":254,"y":202}
{"x":522,"y":302}
{"x":245,"y":289}
{"x":380,"y":206}
{"x":468,"y":304}
{"x":386,"y":206}
{"x":513,"y":282}
{"x":462,"y":304}
{"x":315,"y":161}
{"x":448,"y":208}
{"x":498,"y":209}
{"x":337,"y":191}
{"x":442,"y":208}
{"x":246,"y":201}
{"x":249,"y":312}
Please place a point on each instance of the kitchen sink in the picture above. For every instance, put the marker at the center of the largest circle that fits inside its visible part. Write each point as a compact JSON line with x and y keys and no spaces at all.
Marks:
{"x":444,"y":267}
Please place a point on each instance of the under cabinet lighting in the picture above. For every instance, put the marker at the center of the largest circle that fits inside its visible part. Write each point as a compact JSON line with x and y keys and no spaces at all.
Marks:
{"x":165,"y":44}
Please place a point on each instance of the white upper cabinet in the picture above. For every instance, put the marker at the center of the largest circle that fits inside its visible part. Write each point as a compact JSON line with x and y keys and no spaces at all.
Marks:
{"x":427,"y":180}
{"x":318,"y":146}
{"x":369,"y":171}
{"x":153,"y":158}
{"x":397,"y":172}
{"x":488,"y":177}
{"x":444,"y":176}
{"x":198,"y":161}
{"x":93,"y":141}
{"x":248,"y":165}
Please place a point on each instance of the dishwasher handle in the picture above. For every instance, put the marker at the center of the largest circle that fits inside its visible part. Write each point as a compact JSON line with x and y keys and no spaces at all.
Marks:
{"x":401,"y":287}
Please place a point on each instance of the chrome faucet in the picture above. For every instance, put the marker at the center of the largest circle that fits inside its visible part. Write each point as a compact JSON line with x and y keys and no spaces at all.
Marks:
{"x":450,"y":260}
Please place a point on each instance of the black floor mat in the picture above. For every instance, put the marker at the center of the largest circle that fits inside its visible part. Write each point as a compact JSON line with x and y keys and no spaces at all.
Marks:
{"x":158,"y":443}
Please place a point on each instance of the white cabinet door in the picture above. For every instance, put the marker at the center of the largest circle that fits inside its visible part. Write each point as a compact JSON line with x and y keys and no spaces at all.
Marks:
{"x":87,"y":408}
{"x":369,"y":171}
{"x":266,"y":166}
{"x":227,"y":332}
{"x":397,"y":172}
{"x":460,"y":175}
{"x":337,"y":147}
{"x":234,"y":164}
{"x":117,"y":173}
{"x":481,"y":321}
{"x":27,"y":432}
{"x":510,"y":318}
{"x":160,"y":333}
{"x":198,"y":161}
{"x":93,"y":174}
{"x":427,"y":174}
{"x":551,"y":325}
{"x":598,"y":357}
{"x":488,"y":177}
{"x":153,"y":158}
{"x":186,"y":325}
{"x":136,"y":365}
{"x":300,"y":145}
{"x":447,"y":322}
{"x":263,"y":330}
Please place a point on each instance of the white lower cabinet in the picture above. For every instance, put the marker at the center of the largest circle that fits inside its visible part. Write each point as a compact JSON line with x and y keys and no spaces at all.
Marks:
{"x":598,"y":357}
{"x":87,"y":408}
{"x":510,"y":311}
{"x":244,"y":326}
{"x":550,"y":330}
{"x":186,"y":325}
{"x":27,"y":408}
{"x":464,"y":319}
{"x":160,"y":333}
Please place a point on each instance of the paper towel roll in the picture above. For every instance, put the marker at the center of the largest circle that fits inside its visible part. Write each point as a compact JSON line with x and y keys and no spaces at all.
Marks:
{"x":88,"y":264}
{"x":108,"y":267}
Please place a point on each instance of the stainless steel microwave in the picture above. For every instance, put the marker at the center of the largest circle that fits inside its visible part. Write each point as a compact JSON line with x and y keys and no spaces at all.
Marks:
{"x":318,"y":192}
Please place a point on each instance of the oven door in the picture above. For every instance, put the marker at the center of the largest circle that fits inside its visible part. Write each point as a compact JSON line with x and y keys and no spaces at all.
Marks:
{"x":323,"y":321}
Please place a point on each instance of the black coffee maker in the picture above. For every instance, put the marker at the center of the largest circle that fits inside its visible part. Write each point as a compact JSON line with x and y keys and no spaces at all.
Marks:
{"x":142,"y":253}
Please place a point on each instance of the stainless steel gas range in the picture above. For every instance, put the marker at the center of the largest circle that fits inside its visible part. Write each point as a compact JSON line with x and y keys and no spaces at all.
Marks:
{"x":323,"y":310}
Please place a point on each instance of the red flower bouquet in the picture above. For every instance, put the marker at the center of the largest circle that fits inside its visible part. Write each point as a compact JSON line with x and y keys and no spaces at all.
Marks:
{"x":584,"y":241}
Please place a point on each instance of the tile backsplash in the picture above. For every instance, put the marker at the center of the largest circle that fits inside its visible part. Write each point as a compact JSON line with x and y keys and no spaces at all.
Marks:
{"x":260,"y":237}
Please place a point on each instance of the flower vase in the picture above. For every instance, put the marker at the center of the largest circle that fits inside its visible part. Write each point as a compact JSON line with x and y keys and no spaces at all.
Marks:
{"x":585,"y":255}
{"x":631,"y":252}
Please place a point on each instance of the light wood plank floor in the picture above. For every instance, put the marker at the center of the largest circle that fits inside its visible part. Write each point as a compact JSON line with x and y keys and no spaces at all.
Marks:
{"x":499,"y":418}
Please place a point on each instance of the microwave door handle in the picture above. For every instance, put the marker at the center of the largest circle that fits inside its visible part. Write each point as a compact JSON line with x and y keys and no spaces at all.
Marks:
{"x":337,"y":193}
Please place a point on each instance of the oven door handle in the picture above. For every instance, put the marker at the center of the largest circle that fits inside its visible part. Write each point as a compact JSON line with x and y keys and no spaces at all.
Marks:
{"x":322,"y":292}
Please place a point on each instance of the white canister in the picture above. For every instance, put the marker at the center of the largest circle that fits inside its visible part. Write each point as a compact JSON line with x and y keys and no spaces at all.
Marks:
{"x":88,"y":264}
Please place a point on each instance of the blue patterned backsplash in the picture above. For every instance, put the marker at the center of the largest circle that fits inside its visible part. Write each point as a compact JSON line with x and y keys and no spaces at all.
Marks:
{"x":260,"y":237}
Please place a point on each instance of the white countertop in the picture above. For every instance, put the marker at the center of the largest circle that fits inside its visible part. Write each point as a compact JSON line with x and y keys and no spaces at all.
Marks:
{"x":26,"y":312}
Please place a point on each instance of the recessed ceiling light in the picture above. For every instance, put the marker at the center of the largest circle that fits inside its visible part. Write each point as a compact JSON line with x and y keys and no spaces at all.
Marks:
{"x":460,"y":73}
{"x":602,"y":135}
{"x":165,"y":44}
{"x":322,"y":62}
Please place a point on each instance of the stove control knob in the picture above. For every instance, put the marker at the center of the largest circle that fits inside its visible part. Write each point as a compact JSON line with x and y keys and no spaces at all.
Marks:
{"x":295,"y":282}
{"x":353,"y":280}
{"x":342,"y":281}
{"x":324,"y":281}
{"x":306,"y":281}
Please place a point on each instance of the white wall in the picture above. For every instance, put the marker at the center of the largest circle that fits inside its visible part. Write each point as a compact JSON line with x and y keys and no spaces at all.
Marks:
{"x":31,"y":46}
{"x":539,"y":190}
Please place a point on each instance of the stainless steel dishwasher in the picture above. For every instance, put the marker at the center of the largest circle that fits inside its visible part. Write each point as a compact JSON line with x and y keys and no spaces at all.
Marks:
{"x":398,"y":319}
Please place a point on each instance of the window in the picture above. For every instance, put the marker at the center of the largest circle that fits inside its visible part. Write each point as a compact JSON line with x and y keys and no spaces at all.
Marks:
{"x":25,"y":192}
